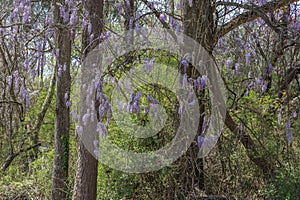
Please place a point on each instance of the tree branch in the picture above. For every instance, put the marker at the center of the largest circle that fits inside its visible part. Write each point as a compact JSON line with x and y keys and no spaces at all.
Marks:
{"x":12,"y":156}
{"x":250,"y":15}
{"x":291,"y":74}
{"x":157,"y":15}
{"x":39,"y":121}
{"x":252,"y":151}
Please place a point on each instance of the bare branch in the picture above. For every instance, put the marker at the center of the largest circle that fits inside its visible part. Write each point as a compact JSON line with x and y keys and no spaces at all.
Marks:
{"x":12,"y":156}
{"x":157,"y":15}
{"x":250,"y":15}
{"x":248,"y":143}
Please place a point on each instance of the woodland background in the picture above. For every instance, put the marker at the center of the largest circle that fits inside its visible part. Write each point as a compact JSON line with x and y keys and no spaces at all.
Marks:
{"x":255,"y":45}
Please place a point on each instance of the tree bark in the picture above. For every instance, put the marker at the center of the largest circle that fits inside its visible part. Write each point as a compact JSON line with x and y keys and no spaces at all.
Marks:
{"x":85,"y":187}
{"x":198,"y":24}
{"x":62,"y":118}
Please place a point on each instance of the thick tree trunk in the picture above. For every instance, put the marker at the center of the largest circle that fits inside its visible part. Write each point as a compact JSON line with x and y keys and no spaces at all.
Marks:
{"x":198,"y":24}
{"x":129,"y":21}
{"x":85,"y":187}
{"x":62,"y":119}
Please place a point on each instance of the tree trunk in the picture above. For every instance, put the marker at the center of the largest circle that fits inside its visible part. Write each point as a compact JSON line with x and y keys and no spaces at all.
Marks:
{"x":85,"y":187}
{"x":198,"y":24}
{"x":62,"y":118}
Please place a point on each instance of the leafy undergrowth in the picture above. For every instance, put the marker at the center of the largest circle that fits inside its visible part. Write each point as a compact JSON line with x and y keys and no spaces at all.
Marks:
{"x":21,"y":190}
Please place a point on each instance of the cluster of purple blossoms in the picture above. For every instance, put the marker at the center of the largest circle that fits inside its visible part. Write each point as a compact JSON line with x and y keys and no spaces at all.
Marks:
{"x":163,"y":17}
{"x":22,"y":9}
{"x":148,"y":65}
{"x":289,"y":135}
{"x":260,"y":84}
{"x":25,"y":94}
{"x":134,"y":103}
{"x":135,"y":106}
{"x":67,"y":100}
{"x":201,"y":82}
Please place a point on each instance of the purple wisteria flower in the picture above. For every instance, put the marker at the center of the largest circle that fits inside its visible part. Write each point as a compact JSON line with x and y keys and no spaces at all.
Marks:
{"x":178,"y":6}
{"x":118,"y":8}
{"x":163,"y":17}
{"x":184,"y":81}
{"x":184,"y":63}
{"x":70,"y":3}
{"x":279,"y":116}
{"x":247,"y":58}
{"x":263,"y":88}
{"x":131,"y":21}
{"x":101,"y":111}
{"x":127,"y":4}
{"x":295,"y":114}
{"x":86,"y":118}
{"x":68,"y":104}
{"x":91,"y":38}
{"x":89,"y":28}
{"x":237,"y":68}
{"x":127,"y":84}
{"x":35,"y":94}
{"x":26,"y":64}
{"x":269,"y":68}
{"x":134,"y":103}
{"x":229,"y":63}
{"x":262,"y":2}
{"x":200,"y":141}
{"x":32,"y":72}
{"x":173,"y":23}
{"x":258,"y":81}
{"x":180,"y":111}
{"x":148,"y":65}
{"x":119,"y":105}
{"x":74,"y":17}
{"x":59,"y":70}
{"x":105,"y":35}
{"x":146,"y":110}
{"x":57,"y":54}
{"x":201,"y":82}
{"x":17,"y":84}
{"x":78,"y":131}
{"x":26,"y":14}
{"x":66,"y":16}
{"x":73,"y":116}
{"x":9,"y":80}
{"x":101,"y":128}
{"x":289,"y":135}
{"x":25,"y":94}
{"x":49,"y":19}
